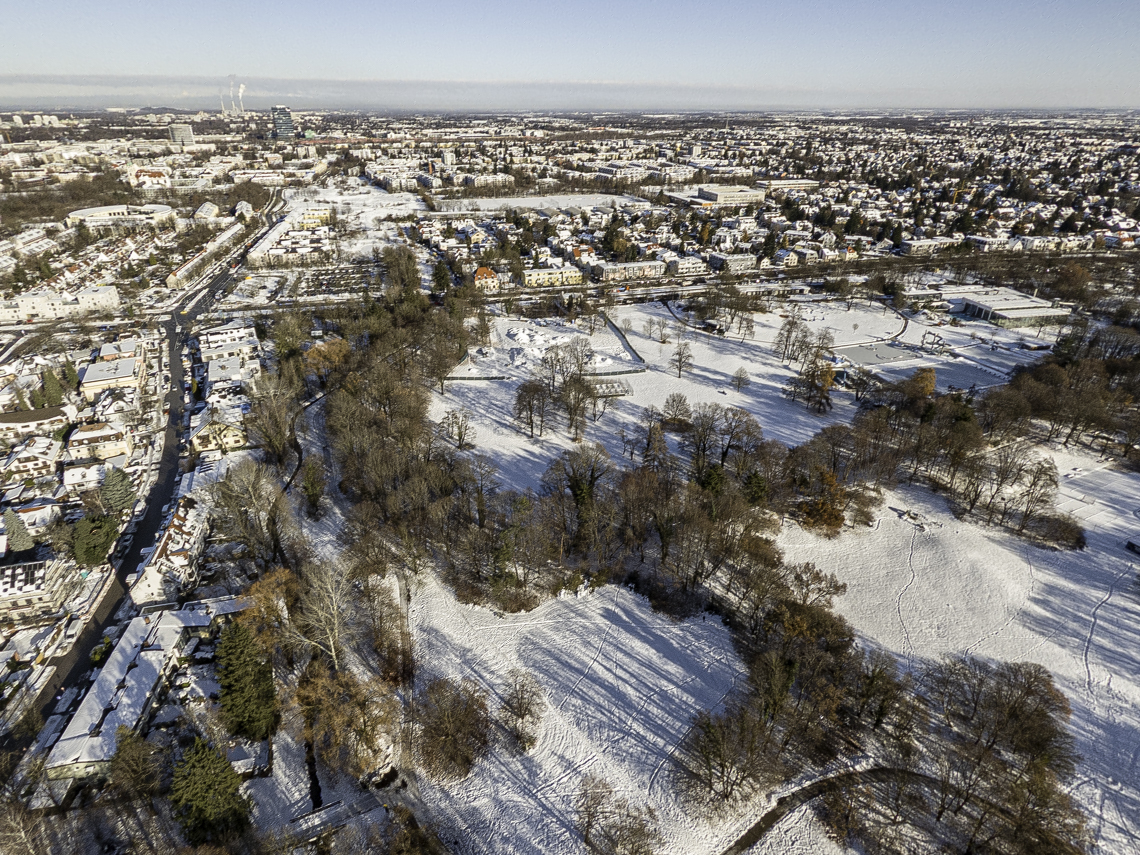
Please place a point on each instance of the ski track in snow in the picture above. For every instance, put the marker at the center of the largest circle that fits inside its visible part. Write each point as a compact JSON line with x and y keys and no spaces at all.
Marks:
{"x":597,"y":653}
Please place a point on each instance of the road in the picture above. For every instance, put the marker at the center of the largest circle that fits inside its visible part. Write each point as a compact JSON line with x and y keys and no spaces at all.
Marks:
{"x":72,"y":667}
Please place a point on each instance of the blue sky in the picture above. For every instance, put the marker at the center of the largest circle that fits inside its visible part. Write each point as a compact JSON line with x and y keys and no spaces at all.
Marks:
{"x":510,"y":54}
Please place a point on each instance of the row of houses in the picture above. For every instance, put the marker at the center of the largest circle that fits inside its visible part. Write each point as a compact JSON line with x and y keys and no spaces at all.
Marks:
{"x":131,"y":683}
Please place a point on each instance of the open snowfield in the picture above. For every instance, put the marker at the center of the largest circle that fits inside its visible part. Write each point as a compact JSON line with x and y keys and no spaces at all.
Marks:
{"x":621,"y":683}
{"x":930,"y":584}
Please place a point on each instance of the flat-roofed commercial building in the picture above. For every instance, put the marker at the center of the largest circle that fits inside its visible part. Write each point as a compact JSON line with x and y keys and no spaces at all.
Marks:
{"x":1008,"y":308}
{"x":121,"y":216}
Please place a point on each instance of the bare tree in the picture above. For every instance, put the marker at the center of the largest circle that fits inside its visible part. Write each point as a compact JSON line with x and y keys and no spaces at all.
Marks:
{"x":270,"y":423}
{"x":251,"y":509}
{"x":682,"y":358}
{"x":531,"y":400}
{"x":1039,"y":491}
{"x":611,"y":825}
{"x":522,"y":708}
{"x":574,"y":396}
{"x":677,"y":411}
{"x":454,"y":726}
{"x":327,"y":595}
{"x":740,"y":378}
{"x":456,"y":424}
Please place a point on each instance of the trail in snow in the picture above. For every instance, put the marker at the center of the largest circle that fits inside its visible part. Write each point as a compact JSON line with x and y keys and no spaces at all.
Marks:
{"x":902,"y":593}
{"x":1014,"y":615}
{"x":597,"y":654}
{"x":1094,"y":616}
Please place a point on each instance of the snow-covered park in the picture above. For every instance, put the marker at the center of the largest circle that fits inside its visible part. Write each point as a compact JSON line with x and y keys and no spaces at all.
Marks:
{"x":921,"y":583}
{"x":621,"y":683}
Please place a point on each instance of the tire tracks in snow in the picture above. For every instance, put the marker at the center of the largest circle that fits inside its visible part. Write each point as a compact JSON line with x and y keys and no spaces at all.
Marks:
{"x":590,"y":667}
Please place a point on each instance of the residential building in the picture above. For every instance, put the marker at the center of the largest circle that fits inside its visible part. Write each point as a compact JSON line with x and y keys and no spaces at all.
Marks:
{"x":126,"y":348}
{"x":610,"y":272}
{"x":216,"y":429}
{"x":486,"y":279}
{"x":100,"y":440}
{"x":34,"y":590}
{"x":38,"y":457}
{"x":182,"y":134}
{"x":282,"y":122}
{"x":116,"y":374}
{"x":733,"y":263}
{"x":545,"y":277}
{"x":22,"y":423}
{"x":130,"y":684}
{"x":687,"y":265}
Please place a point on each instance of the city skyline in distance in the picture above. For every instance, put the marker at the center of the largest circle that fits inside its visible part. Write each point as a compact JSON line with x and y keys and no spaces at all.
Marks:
{"x":820,"y":54}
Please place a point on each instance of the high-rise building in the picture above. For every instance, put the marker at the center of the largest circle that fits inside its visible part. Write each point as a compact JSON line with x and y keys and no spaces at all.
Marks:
{"x":282,"y":122}
{"x":182,"y":134}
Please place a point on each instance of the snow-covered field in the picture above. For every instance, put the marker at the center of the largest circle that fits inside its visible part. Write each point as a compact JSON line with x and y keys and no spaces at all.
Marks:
{"x":930,"y":584}
{"x":621,"y":683}
{"x":518,"y":345}
{"x":362,"y":211}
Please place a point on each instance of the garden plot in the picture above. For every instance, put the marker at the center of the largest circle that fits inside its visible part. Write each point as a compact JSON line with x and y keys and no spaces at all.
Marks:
{"x":922,"y":583}
{"x":621,"y":684}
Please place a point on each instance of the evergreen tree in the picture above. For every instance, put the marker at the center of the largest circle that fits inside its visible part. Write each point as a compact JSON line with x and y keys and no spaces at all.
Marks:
{"x":53,"y":390}
{"x":248,"y":695}
{"x":205,"y":795}
{"x":38,"y":399}
{"x":117,"y":492}
{"x":440,"y":276}
{"x":18,"y":538}
{"x":93,"y":539}
{"x":70,"y":375}
{"x":21,"y":401}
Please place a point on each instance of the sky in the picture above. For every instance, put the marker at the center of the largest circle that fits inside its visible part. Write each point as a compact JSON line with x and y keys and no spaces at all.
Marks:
{"x":588,"y":54}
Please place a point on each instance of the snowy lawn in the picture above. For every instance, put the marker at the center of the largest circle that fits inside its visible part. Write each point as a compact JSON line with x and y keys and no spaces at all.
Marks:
{"x":621,"y":684}
{"x":930,"y":584}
